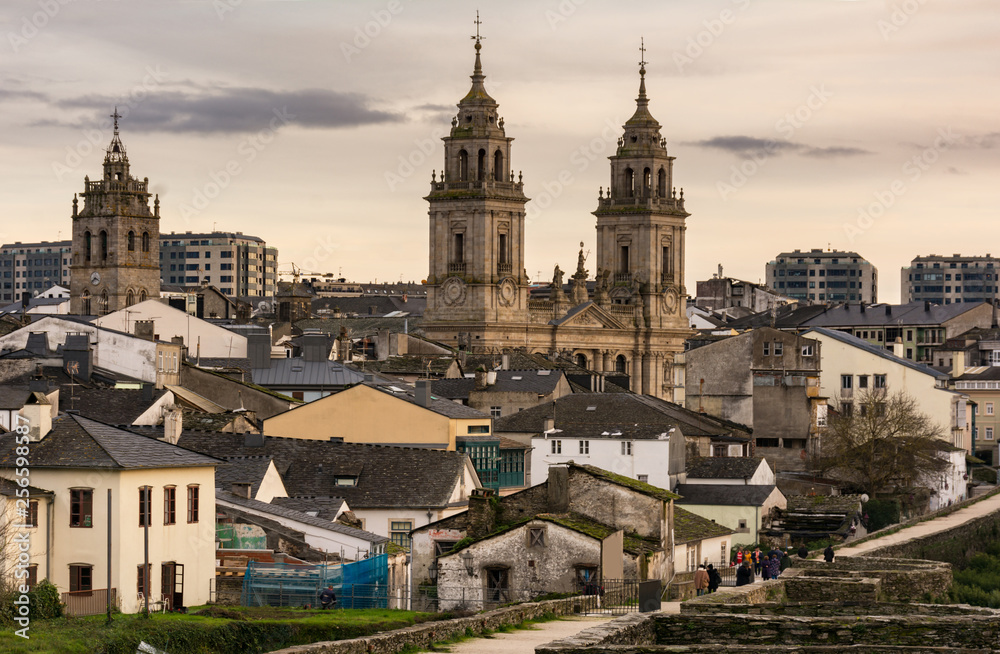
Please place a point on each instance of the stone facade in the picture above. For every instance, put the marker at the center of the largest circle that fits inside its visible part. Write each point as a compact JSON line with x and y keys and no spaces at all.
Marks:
{"x":633,"y":322}
{"x":116,"y":239}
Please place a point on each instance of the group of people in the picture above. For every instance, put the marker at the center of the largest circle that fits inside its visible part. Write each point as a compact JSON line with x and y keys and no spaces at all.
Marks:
{"x":707,"y":580}
{"x":750,"y":565}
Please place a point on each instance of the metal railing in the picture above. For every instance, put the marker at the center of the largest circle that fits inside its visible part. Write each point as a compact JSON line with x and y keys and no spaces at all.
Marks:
{"x":609,"y":596}
{"x":88,"y":602}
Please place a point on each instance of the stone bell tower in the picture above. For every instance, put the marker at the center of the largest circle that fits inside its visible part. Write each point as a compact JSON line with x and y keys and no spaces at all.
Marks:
{"x":641,"y":222}
{"x":116,"y":239}
{"x":476,"y":212}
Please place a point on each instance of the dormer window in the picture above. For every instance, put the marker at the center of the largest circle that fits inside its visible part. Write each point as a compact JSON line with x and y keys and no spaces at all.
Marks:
{"x":345,"y":481}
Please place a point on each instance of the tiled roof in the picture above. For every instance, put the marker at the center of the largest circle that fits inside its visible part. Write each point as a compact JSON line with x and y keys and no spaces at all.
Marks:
{"x":788,"y":316}
{"x":689,"y":527}
{"x":723,"y":494}
{"x":542,"y":382}
{"x":10,"y":489}
{"x":874,"y":349}
{"x":242,"y":470}
{"x":615,"y":415}
{"x":387,"y":476}
{"x":298,"y":516}
{"x":78,"y":442}
{"x":912,"y":313}
{"x":841,"y":504}
{"x":412,"y":364}
{"x":299,"y":373}
{"x":114,"y":406}
{"x":627,"y":482}
{"x":723,"y":467}
{"x":326,"y":508}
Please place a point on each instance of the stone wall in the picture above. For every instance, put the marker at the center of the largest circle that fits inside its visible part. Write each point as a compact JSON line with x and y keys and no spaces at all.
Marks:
{"x":829,"y":609}
{"x":228,"y":590}
{"x":901,"y":579}
{"x":819,"y":589}
{"x":423,"y":635}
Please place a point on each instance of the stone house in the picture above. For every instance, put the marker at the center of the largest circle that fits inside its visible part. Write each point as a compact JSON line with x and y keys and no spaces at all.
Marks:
{"x":767,"y":379}
{"x":698,"y":540}
{"x":500,"y":393}
{"x":578,"y":507}
{"x":744,"y":509}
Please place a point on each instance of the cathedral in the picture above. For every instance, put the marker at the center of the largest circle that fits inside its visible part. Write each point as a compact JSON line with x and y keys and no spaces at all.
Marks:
{"x":116,"y":239}
{"x":629,"y":319}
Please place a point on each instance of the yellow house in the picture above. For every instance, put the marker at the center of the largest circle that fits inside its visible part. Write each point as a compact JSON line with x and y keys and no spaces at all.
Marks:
{"x":387,"y":415}
{"x":97,"y":491}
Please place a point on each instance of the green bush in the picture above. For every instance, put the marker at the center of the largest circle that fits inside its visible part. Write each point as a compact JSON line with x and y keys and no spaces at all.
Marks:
{"x":984,"y":474}
{"x":882,"y":513}
{"x":43,"y":601}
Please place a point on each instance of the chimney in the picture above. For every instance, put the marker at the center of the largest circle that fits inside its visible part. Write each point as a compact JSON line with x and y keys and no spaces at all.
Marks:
{"x":259,"y":350}
{"x":38,"y":382}
{"x":482,"y":518}
{"x":505,"y":361}
{"x":314,"y":347}
{"x":38,"y":343}
{"x":145,"y":329}
{"x":549,"y":424}
{"x":423,"y":392}
{"x":491,"y":377}
{"x":897,"y":347}
{"x":927,"y":305}
{"x":38,"y":412}
{"x":242,"y":489}
{"x":888,"y":310}
{"x":78,"y":359}
{"x":147,"y":392}
{"x":957,"y":364}
{"x":480,"y":380}
{"x":862,"y":307}
{"x":253,"y":440}
{"x":173,"y":424}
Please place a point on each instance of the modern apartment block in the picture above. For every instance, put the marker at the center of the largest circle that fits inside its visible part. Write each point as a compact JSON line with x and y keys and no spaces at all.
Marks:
{"x":950,"y":280}
{"x":237,"y":264}
{"x":29,"y":268}
{"x":823,"y":276}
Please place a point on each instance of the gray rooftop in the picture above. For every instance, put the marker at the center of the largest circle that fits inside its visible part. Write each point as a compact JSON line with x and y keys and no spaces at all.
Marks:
{"x":299,"y":373}
{"x":298,"y":516}
{"x":877,"y":350}
{"x":723,"y":494}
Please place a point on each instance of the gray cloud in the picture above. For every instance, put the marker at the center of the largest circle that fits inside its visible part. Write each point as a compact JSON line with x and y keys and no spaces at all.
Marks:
{"x":751,"y":145}
{"x":228,"y":110}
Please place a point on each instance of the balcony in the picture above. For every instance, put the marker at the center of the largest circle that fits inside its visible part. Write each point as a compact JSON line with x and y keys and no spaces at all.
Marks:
{"x":623,"y":278}
{"x":846,"y":393}
{"x":456,"y":268}
{"x":504,"y":269}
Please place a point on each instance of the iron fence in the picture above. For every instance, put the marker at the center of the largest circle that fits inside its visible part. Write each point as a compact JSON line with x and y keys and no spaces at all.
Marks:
{"x":89,"y":602}
{"x":609,"y":596}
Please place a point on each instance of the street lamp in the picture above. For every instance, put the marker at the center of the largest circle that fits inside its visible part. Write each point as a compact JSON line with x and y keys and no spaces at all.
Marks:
{"x":467,"y":560}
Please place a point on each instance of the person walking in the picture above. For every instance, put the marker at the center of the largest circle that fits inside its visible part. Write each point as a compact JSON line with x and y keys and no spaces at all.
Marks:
{"x":701,"y":580}
{"x":739,"y":557}
{"x":756,"y":561}
{"x":828,"y":554}
{"x":744,"y":575}
{"x":714,"y":579}
{"x":803,"y":551}
{"x":773,"y":566}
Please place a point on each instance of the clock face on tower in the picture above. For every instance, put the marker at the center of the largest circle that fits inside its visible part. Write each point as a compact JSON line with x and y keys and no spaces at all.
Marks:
{"x":95,"y":278}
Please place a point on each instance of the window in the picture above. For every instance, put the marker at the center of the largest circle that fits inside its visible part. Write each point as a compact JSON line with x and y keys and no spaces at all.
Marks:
{"x":145,"y":499}
{"x":81,"y":577}
{"x":627,"y":448}
{"x":778,"y":349}
{"x":192,"y":501}
{"x":584,"y":447}
{"x":145,"y":241}
{"x":767,"y":349}
{"x":104,"y":245}
{"x":32,"y":575}
{"x":345,"y":481}
{"x":743,"y":526}
{"x":846,"y":381}
{"x":142,"y":582}
{"x":31,"y":520}
{"x":81,"y":507}
{"x":643,"y":478}
{"x":807,"y":350}
{"x":556,"y":447}
{"x":989,"y":408}
{"x":478,"y":429}
{"x":536,"y":537}
{"x":862,"y":381}
{"x":399,"y":532}
{"x":989,"y":433}
{"x":879,"y":381}
{"x":169,"y":505}
{"x":443,"y":546}
{"x":494,"y":412}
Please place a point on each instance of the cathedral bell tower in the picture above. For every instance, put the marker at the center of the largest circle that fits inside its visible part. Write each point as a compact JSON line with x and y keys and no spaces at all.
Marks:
{"x":116,"y":239}
{"x":640,"y":222}
{"x":476,"y":215}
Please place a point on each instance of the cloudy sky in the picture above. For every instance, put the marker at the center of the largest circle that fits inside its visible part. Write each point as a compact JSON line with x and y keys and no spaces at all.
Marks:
{"x":870,"y":125}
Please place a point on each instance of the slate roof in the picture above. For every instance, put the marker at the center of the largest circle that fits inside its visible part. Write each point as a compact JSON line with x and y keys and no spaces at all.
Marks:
{"x":208,"y":421}
{"x":877,"y":350}
{"x":387,"y":476}
{"x":723,"y":467}
{"x":298,"y":516}
{"x":362,"y":305}
{"x":9,"y":489}
{"x":437,"y":405}
{"x":299,"y":373}
{"x":912,"y":313}
{"x":689,"y":527}
{"x":840,"y":504}
{"x":412,"y":364}
{"x":239,"y":363}
{"x":114,"y":406}
{"x":13,"y":397}
{"x":723,"y":494}
{"x":327,"y":508}
{"x":788,"y":316}
{"x":242,"y":470}
{"x":359,"y":327}
{"x":979,"y":373}
{"x":78,"y":442}
{"x":615,"y":415}
{"x":627,"y":482}
{"x":542,"y":382}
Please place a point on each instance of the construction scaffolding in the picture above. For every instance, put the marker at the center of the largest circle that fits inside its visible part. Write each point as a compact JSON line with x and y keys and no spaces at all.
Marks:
{"x":289,"y":584}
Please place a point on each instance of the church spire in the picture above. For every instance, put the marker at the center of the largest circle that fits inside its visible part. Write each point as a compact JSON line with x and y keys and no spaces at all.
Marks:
{"x":642,"y":115}
{"x":116,"y":150}
{"x":478,"y":90}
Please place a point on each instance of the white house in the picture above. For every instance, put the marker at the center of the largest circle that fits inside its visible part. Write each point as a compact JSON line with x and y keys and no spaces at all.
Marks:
{"x":698,"y":541}
{"x":100,"y":477}
{"x":202,"y":338}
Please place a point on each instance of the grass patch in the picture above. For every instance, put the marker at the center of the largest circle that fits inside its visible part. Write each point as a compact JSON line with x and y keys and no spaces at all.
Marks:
{"x":978,"y":583}
{"x":243,"y":630}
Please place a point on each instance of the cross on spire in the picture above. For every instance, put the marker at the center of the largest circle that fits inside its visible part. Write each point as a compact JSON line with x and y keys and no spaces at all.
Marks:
{"x":116,"y":116}
{"x":478,"y":23}
{"x":642,"y":50}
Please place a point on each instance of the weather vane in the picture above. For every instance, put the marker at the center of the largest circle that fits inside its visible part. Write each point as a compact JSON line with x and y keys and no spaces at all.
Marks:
{"x":478,"y":23}
{"x":642,"y":51}
{"x":116,"y":116}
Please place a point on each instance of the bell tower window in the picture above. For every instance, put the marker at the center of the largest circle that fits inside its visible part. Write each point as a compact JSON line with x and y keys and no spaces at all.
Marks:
{"x":463,"y":166}
{"x":87,"y":246}
{"x":623,"y":264}
{"x":131,"y":241}
{"x":666,"y":269}
{"x":129,"y":298}
{"x":145,"y":241}
{"x":629,"y":182}
{"x":498,"y":166}
{"x":502,"y":254}
{"x":86,"y":303}
{"x":459,"y":253}
{"x":661,"y":183}
{"x":646,"y":181}
{"x":104,"y":245}
{"x":481,"y":170}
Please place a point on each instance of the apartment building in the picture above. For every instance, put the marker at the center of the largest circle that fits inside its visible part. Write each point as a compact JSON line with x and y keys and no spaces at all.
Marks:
{"x":237,"y":264}
{"x":823,"y":276}
{"x":950,"y":280}
{"x":30,"y":268}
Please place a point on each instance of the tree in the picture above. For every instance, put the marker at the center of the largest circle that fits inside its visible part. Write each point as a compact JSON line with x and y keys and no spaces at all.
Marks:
{"x":882,"y":442}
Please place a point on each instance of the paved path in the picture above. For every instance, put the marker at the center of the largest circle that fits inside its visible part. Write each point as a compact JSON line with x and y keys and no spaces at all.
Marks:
{"x":524,"y":641}
{"x":944,"y":523}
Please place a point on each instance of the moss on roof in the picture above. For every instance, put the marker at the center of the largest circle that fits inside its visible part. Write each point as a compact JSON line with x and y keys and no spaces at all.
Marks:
{"x":633,"y":484}
{"x":690,"y":527}
{"x":255,"y":387}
